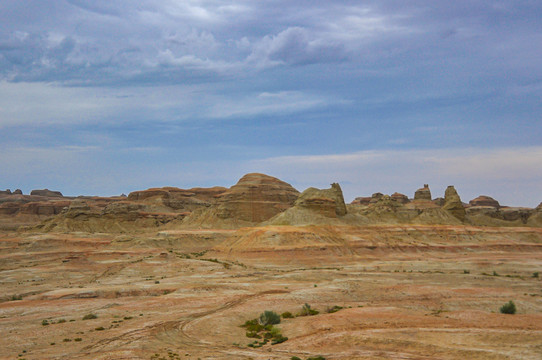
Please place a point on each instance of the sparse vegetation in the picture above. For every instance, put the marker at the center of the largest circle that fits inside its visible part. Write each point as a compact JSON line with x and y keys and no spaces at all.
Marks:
{"x":466,"y":271}
{"x":287,"y":315}
{"x":16,"y":297}
{"x":101,"y":328}
{"x":90,"y":316}
{"x":306,"y":310}
{"x":316,"y":358}
{"x":45,"y":322}
{"x":263,"y":328}
{"x":334,"y":309}
{"x":535,"y":275}
{"x":269,"y":318}
{"x":508,"y":308}
{"x":78,"y":339}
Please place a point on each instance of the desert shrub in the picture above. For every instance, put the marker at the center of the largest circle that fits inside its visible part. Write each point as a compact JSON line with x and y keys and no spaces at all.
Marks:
{"x":295,"y":358}
{"x":334,"y":309}
{"x":253,"y":334}
{"x":60,"y":321}
{"x":45,"y":322}
{"x":306,"y":310}
{"x":77,"y":339}
{"x":16,"y":297}
{"x":253,"y":325}
{"x":316,"y":358}
{"x":100,"y":328}
{"x":508,"y":308}
{"x":269,"y":318}
{"x":287,"y":315}
{"x":67,"y":340}
{"x":466,"y":271}
{"x":90,"y":316}
{"x":535,"y":275}
{"x":278,"y":339}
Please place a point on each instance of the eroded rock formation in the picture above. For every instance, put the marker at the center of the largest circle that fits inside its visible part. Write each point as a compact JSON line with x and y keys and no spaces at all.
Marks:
{"x":423,"y":193}
{"x":327,"y":202}
{"x":46,"y":192}
{"x":453,"y":204}
{"x":484,"y":200}
{"x":256,"y":198}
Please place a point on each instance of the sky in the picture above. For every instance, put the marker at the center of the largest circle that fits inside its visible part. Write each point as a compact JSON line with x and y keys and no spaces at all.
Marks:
{"x":105,"y":97}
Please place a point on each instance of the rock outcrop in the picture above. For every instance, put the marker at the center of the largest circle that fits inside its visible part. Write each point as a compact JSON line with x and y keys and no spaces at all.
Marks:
{"x":423,"y":193}
{"x":178,"y":199}
{"x":256,"y":198}
{"x":484,"y":200}
{"x":5,"y":192}
{"x":327,"y":202}
{"x":400,"y":198}
{"x":18,"y":192}
{"x":453,"y":204}
{"x":361,"y":200}
{"x":46,"y":192}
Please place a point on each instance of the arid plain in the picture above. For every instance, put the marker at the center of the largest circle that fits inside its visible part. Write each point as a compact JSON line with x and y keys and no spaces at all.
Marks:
{"x":173,"y":274}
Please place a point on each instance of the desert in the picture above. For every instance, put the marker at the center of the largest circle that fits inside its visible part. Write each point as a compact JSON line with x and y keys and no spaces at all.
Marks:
{"x":168,"y":273}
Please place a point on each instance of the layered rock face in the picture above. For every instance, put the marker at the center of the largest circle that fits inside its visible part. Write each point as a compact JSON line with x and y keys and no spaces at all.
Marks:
{"x":327,"y":202}
{"x":423,"y":193}
{"x":46,"y":192}
{"x":400,"y":198}
{"x":453,"y":204}
{"x":178,"y":199}
{"x":256,"y":198}
{"x":483,"y":200}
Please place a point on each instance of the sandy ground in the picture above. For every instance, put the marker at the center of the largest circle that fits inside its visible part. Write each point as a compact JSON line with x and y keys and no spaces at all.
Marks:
{"x":406,"y":292}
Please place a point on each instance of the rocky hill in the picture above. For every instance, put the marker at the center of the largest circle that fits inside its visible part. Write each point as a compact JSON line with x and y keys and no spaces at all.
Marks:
{"x":256,"y":199}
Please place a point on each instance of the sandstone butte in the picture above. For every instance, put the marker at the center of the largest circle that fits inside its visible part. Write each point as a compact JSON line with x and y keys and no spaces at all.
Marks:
{"x":170,"y":273}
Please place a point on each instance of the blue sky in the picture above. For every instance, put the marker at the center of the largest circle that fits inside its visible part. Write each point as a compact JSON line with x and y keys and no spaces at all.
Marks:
{"x":107,"y":97}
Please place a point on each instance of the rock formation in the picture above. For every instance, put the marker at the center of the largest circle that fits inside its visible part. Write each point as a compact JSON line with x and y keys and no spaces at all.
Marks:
{"x":453,"y":204}
{"x":46,"y":192}
{"x":361,"y":201}
{"x":484,"y":200}
{"x":423,"y":193}
{"x":5,"y":192}
{"x":400,"y":198}
{"x":256,"y":198}
{"x":178,"y":199}
{"x":18,"y":192}
{"x":327,"y":202}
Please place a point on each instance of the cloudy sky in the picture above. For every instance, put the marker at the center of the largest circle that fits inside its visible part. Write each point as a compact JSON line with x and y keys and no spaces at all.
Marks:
{"x":105,"y":97}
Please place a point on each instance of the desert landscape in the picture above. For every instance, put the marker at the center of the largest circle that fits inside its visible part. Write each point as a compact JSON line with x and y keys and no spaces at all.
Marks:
{"x":169,"y":273}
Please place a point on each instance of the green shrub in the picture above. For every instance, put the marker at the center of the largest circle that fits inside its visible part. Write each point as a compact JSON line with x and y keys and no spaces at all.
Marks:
{"x":101,"y":328}
{"x":306,"y":310}
{"x":316,"y":358}
{"x":508,"y":308}
{"x":77,"y":339}
{"x":67,"y":340}
{"x":287,"y":315}
{"x":16,"y":297}
{"x":269,"y":318}
{"x":295,"y":358}
{"x":334,"y":309}
{"x":45,"y":322}
{"x":90,"y":316}
{"x":60,"y":321}
{"x":535,"y":275}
